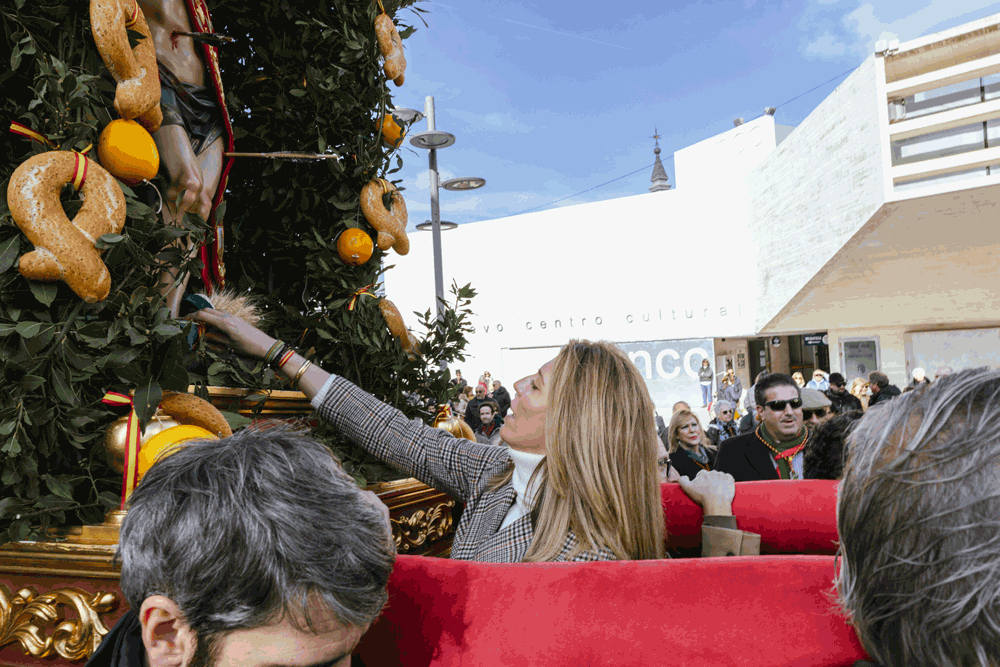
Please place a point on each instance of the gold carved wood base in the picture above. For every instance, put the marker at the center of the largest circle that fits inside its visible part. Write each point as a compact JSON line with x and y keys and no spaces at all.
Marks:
{"x":59,"y":598}
{"x":64,"y":621}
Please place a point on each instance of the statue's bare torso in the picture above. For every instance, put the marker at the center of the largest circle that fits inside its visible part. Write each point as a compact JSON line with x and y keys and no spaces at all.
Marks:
{"x":178,"y":53}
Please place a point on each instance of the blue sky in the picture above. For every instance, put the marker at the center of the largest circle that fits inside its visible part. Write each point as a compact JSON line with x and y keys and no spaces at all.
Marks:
{"x":548,"y":99}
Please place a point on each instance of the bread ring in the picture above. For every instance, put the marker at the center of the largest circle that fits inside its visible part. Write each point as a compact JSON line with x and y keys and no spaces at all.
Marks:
{"x":397,"y":328}
{"x":138,"y":93}
{"x":190,"y":410}
{"x":389,"y":223}
{"x":391,"y":46}
{"x":65,"y":250}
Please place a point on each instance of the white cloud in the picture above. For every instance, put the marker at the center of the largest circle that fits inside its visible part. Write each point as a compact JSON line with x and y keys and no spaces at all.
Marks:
{"x":901,"y":20}
{"x":826,"y":46}
{"x":496,"y":121}
{"x":867,"y":22}
{"x":422,"y":180}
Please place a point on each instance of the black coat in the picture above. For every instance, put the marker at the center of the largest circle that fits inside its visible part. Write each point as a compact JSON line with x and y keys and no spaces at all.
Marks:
{"x":685,"y":465}
{"x":842,"y":403}
{"x":502,"y":397}
{"x":746,"y":458}
{"x":472,"y":413}
{"x":884,"y":394}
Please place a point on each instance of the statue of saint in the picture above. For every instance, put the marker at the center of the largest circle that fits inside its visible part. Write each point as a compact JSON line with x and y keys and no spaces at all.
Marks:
{"x":196,"y":132}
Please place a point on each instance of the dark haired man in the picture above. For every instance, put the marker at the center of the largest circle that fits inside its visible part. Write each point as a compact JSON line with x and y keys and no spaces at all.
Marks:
{"x":488,"y":432}
{"x":841,"y":400}
{"x":773,"y":450}
{"x":253,"y":550}
{"x":917,"y":516}
{"x":881,"y":389}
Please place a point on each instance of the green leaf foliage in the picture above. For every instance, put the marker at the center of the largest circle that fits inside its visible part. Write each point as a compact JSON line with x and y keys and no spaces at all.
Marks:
{"x":302,"y":77}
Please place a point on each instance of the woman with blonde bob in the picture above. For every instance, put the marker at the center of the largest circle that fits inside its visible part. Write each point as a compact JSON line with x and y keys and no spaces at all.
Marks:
{"x":576,"y":479}
{"x":691,"y":450}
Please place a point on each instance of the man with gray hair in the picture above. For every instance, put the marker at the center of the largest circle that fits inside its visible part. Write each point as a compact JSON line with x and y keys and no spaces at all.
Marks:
{"x":918,"y":514}
{"x":253,"y":550}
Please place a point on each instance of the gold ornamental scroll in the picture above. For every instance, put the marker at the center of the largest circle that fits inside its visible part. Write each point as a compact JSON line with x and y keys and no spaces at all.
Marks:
{"x":42,"y":626}
{"x":412,"y":531}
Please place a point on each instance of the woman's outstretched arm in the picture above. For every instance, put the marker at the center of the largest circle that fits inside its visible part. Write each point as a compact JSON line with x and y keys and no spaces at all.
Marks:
{"x":241,"y":336}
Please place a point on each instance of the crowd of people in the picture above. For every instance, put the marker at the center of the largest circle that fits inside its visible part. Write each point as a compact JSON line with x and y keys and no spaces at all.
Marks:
{"x":261,"y":541}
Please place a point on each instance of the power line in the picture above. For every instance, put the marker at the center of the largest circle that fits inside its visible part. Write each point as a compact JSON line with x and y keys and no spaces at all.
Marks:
{"x":632,"y":173}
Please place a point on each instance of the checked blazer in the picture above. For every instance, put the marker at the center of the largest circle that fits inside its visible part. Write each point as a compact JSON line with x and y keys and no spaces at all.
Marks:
{"x":461,"y":468}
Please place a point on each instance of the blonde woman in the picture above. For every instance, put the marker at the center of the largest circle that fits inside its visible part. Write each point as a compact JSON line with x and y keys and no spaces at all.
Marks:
{"x":464,"y":396}
{"x":691,"y":450}
{"x":859,"y":389}
{"x":575,"y":479}
{"x":799,"y":380}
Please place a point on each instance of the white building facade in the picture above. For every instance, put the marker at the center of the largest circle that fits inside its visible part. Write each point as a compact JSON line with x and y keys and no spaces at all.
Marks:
{"x":868,"y":238}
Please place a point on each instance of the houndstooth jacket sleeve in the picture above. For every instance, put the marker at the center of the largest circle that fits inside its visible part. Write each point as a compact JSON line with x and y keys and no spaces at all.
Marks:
{"x":460,"y":468}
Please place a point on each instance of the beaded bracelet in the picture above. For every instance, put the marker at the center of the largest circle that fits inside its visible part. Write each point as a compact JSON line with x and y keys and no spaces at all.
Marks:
{"x":301,"y":371}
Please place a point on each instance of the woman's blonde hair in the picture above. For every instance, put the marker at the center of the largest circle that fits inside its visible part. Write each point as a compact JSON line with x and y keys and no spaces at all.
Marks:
{"x":799,"y":378}
{"x":599,"y":478}
{"x":678,"y":419}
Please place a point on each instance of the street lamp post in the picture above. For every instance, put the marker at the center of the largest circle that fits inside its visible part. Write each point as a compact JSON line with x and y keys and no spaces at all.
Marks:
{"x":432,"y":140}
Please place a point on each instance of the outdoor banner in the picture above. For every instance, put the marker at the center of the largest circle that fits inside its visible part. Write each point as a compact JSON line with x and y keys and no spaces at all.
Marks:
{"x":670,"y":368}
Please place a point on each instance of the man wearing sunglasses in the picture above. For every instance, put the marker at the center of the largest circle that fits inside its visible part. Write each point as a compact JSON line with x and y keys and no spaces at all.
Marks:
{"x":841,"y":400}
{"x":773,"y":450}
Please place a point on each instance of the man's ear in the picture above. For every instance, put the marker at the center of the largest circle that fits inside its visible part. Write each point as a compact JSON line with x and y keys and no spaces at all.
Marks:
{"x":167,"y":637}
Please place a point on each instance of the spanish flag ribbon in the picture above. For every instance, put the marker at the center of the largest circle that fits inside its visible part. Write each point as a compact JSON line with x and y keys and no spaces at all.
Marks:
{"x":133,"y":15}
{"x":80,"y":171}
{"x":28,"y":133}
{"x":364,"y":291}
{"x":81,"y":166}
{"x":132,"y":438}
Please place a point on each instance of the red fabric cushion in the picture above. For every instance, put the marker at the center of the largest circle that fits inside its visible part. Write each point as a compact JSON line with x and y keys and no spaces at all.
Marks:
{"x":792,"y":517}
{"x":755,"y":611}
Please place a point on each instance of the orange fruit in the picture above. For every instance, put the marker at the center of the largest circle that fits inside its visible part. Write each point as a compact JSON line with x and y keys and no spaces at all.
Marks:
{"x":128,"y":151}
{"x":354,"y":246}
{"x":168,"y":441}
{"x":392,"y":133}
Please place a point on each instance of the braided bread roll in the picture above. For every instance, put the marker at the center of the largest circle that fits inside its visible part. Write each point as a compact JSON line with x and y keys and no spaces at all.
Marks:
{"x":138,"y":93}
{"x":391,"y":46}
{"x":397,"y":328}
{"x":189,"y":410}
{"x":64,"y":250}
{"x":389,"y":223}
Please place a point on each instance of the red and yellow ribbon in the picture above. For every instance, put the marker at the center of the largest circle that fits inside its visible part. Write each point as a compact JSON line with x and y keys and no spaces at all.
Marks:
{"x":28,"y":133}
{"x":79,"y":171}
{"x":132,"y":438}
{"x":364,"y":291}
{"x":133,"y":16}
{"x":81,"y":166}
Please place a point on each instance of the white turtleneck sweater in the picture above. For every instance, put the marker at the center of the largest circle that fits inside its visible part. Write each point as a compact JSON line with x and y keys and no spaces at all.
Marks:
{"x":524,"y":465}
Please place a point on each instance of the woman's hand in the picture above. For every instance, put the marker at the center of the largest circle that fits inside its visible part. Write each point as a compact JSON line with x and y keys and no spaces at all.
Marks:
{"x":713,"y":490}
{"x":233,"y":332}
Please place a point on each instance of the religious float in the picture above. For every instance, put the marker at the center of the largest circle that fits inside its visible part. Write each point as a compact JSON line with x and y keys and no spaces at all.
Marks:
{"x":162,"y":158}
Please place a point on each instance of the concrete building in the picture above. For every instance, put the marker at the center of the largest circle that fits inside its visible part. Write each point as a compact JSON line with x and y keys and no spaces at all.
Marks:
{"x":868,"y":236}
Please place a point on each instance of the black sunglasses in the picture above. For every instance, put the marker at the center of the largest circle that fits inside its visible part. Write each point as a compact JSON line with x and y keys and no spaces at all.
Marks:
{"x":727,"y":412}
{"x":808,"y":414}
{"x":779,"y":406}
